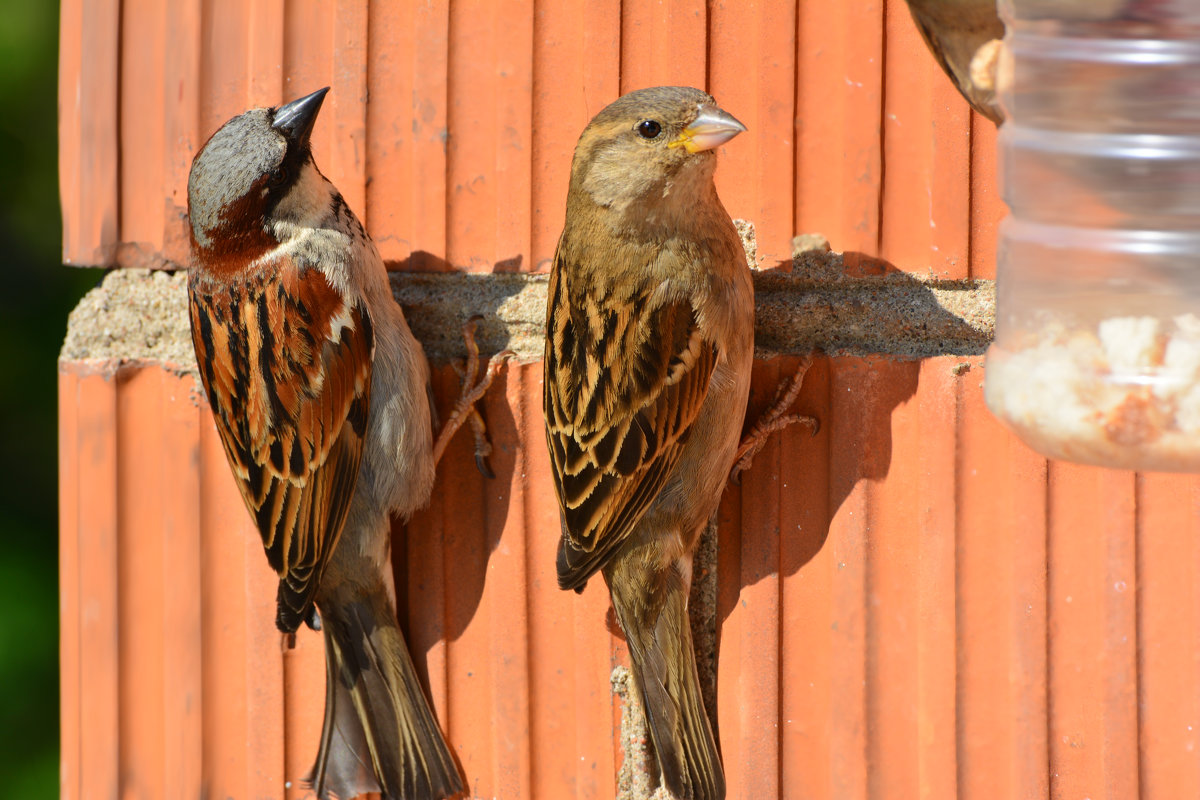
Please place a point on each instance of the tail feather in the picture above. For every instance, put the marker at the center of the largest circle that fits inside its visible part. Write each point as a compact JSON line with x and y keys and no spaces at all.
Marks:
{"x":653,"y":613}
{"x":292,"y":606}
{"x":379,"y":733}
{"x":346,"y":775}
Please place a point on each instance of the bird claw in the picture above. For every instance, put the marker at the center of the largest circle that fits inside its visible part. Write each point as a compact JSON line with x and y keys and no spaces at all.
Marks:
{"x":772,"y":420}
{"x":472,"y":390}
{"x":483,"y":447}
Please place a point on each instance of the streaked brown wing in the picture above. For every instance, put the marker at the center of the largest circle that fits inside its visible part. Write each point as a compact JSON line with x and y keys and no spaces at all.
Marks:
{"x":286,"y":364}
{"x":623,"y":384}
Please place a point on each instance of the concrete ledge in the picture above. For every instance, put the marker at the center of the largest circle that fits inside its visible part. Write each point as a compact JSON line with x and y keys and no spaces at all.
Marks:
{"x":820,"y":304}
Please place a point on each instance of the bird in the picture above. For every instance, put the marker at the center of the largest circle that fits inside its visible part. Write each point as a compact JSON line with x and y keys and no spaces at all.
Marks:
{"x":965,"y":37}
{"x":648,"y":353}
{"x":319,"y":392}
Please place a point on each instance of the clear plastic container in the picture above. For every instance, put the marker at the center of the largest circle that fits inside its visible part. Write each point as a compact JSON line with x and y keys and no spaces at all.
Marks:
{"x":1097,"y":351}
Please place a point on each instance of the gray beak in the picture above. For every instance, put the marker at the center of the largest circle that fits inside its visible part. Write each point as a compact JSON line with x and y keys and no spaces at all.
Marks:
{"x":295,"y":120}
{"x":711,"y":128}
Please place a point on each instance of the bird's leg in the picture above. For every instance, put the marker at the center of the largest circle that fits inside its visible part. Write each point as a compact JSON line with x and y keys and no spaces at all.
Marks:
{"x":472,"y":391}
{"x":774,"y":419}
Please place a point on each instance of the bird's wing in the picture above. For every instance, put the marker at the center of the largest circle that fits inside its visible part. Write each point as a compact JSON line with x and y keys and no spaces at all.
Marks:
{"x":286,"y":363}
{"x":623,"y":384}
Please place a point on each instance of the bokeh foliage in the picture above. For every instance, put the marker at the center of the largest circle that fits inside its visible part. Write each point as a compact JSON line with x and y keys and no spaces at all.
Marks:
{"x":35,"y":297}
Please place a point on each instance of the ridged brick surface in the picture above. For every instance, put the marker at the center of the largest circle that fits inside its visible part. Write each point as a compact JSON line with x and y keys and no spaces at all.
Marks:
{"x":910,"y":604}
{"x":449,"y":127}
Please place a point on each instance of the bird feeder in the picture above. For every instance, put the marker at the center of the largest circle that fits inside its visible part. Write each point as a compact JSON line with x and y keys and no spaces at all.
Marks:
{"x":1097,"y":350}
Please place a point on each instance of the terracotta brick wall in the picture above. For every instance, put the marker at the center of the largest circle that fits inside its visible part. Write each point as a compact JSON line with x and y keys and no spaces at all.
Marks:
{"x":910,"y":604}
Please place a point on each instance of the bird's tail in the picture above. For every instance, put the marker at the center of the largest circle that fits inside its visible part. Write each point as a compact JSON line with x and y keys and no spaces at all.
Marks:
{"x":379,"y":733}
{"x":651,"y":605}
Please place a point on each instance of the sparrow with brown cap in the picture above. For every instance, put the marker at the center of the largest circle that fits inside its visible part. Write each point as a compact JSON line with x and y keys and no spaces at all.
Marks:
{"x":649,"y":346}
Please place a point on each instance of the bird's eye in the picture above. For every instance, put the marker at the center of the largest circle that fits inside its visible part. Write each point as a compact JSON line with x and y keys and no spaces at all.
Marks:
{"x":279,"y":176}
{"x":649,"y":129}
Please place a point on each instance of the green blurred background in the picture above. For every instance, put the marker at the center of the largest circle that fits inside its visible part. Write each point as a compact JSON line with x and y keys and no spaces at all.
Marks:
{"x":34,"y":302}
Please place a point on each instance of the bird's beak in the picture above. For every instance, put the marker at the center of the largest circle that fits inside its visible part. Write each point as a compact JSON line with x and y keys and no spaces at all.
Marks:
{"x":296,"y":119}
{"x":711,"y":128}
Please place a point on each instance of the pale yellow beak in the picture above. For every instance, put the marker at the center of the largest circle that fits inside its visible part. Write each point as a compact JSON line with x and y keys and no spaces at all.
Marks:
{"x":711,"y":128}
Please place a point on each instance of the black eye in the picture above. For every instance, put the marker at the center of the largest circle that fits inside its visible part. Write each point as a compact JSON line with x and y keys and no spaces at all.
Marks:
{"x":648,"y":129}
{"x":279,"y":176}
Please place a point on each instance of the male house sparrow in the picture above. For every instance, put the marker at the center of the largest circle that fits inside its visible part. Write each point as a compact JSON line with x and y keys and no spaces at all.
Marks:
{"x":650,"y":340}
{"x":319,"y":394}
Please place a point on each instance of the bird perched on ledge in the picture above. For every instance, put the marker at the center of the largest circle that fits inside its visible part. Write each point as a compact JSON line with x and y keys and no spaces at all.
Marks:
{"x":319,"y":392}
{"x":649,"y":346}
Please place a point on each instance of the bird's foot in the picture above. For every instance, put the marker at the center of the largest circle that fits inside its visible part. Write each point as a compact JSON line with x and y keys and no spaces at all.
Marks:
{"x":472,"y":390}
{"x":772,"y":420}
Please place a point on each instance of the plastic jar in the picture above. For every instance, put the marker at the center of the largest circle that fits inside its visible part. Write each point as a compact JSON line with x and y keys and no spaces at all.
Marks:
{"x":1097,"y":351}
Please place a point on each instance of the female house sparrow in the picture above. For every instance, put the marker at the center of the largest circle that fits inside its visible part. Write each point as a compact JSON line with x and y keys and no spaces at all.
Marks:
{"x":650,"y":334}
{"x":319,"y":394}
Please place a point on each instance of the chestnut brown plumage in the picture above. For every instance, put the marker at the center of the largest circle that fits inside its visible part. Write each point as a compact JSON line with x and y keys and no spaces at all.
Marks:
{"x":649,"y":344}
{"x":319,"y":392}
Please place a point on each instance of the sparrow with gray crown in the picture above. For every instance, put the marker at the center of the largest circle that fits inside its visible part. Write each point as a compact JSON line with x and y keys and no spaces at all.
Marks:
{"x":320,"y":396}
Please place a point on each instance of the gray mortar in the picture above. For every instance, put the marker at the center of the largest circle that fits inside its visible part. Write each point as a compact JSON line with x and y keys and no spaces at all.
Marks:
{"x":133,"y":315}
{"x":137,"y":315}
{"x":437,"y":305}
